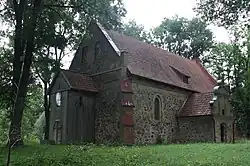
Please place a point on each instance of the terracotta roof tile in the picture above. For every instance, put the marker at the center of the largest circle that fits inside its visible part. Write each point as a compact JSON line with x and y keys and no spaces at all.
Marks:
{"x":80,"y":82}
{"x":157,"y":64}
{"x":197,"y":104}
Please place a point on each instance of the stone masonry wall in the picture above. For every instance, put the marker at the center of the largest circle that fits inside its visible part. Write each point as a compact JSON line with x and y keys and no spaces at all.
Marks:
{"x":104,"y":65}
{"x":195,"y":129}
{"x":228,"y":121}
{"x":147,"y":129}
{"x":108,"y":108}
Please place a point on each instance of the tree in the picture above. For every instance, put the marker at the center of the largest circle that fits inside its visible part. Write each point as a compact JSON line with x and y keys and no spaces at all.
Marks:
{"x":27,"y":18}
{"x":133,"y":29}
{"x":230,"y":63}
{"x":226,"y":12}
{"x":189,"y":38}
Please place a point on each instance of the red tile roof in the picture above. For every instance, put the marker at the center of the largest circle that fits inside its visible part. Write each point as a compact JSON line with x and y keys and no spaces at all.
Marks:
{"x":157,"y":64}
{"x":79,"y":81}
{"x":197,"y":104}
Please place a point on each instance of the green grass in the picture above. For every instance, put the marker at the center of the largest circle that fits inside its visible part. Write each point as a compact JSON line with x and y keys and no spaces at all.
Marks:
{"x":154,"y":155}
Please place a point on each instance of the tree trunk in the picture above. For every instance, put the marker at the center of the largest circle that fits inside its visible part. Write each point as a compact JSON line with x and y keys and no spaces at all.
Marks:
{"x":18,"y":47}
{"x":47,"y":113}
{"x":15,"y":136}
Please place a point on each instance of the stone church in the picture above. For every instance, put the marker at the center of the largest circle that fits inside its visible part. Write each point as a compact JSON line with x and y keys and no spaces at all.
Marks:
{"x":121,"y":90}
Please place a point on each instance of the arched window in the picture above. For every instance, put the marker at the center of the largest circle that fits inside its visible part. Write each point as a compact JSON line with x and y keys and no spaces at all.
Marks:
{"x":157,"y":108}
{"x":84,"y":53}
{"x":97,"y":49}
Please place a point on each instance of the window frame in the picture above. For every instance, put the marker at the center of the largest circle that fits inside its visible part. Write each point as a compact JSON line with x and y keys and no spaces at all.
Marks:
{"x":97,"y":52}
{"x":84,"y":53}
{"x":158,"y":112}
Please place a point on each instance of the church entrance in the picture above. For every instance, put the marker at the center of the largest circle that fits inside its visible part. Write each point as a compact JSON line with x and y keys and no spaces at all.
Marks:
{"x":57,"y":132}
{"x":223,"y":133}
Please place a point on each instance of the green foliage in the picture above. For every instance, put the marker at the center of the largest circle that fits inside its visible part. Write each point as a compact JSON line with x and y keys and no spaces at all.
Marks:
{"x":226,"y":12}
{"x":133,"y":29}
{"x":171,"y":155}
{"x":39,"y":126}
{"x":33,"y":109}
{"x":189,"y":38}
{"x":4,"y":126}
{"x":5,"y":77}
{"x":230,"y":63}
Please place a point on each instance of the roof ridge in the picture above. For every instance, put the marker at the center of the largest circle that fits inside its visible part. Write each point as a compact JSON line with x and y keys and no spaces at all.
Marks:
{"x":151,"y":45}
{"x":141,"y":59}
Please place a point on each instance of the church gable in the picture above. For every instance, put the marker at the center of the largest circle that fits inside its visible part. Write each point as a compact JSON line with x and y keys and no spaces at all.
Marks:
{"x":97,"y":53}
{"x":220,"y":103}
{"x":59,"y":84}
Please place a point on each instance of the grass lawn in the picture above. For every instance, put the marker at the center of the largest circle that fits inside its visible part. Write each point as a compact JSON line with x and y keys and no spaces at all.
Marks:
{"x":155,"y":155}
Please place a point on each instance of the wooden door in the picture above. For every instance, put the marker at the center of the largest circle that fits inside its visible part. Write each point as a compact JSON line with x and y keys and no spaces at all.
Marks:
{"x":86,"y":120}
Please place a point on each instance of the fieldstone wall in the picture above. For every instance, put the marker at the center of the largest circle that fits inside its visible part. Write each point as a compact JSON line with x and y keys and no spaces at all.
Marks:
{"x":195,"y":129}
{"x":146,"y":128}
{"x":108,"y":105}
{"x":228,"y":122}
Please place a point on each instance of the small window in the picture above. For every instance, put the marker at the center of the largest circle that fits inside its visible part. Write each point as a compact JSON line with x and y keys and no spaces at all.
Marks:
{"x":58,"y":99}
{"x":223,"y":111}
{"x":84,"y":53}
{"x":185,"y":79}
{"x":157,"y":108}
{"x":80,"y":101}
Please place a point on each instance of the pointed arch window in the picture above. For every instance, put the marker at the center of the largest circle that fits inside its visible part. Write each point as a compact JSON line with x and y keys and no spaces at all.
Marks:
{"x":157,"y":108}
{"x":97,"y":49}
{"x":84,"y":53}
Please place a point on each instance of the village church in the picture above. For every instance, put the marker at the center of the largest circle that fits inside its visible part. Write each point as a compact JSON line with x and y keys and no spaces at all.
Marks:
{"x":121,"y":90}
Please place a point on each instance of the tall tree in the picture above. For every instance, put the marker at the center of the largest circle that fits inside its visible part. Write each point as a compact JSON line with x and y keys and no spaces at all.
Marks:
{"x":189,"y":38}
{"x":226,"y":12}
{"x":230,"y":63}
{"x":135,"y":30}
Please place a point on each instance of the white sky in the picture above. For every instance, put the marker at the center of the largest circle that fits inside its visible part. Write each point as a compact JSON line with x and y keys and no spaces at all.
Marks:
{"x":150,"y":13}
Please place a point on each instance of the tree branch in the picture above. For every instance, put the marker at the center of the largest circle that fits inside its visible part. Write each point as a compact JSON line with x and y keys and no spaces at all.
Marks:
{"x":63,"y":6}
{"x":51,"y":8}
{"x":39,"y":75}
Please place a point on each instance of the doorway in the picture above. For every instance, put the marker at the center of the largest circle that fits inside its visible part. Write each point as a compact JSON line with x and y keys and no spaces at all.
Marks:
{"x":223,"y":133}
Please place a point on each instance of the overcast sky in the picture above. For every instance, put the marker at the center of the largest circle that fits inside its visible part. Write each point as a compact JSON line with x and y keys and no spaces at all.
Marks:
{"x":150,"y":13}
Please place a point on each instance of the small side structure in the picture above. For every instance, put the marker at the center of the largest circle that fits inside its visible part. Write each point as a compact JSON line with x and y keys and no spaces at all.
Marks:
{"x":72,"y":115}
{"x":207,"y":117}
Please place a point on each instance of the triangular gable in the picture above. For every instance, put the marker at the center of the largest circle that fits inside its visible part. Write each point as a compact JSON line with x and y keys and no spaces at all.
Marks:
{"x":111,"y":42}
{"x":55,"y":79}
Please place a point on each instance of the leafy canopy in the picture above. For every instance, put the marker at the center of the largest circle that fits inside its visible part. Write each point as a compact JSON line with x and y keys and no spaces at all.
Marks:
{"x":189,"y":38}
